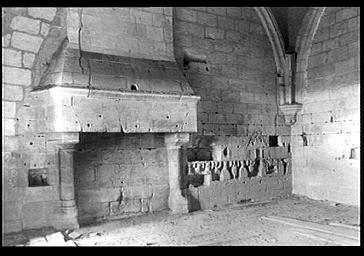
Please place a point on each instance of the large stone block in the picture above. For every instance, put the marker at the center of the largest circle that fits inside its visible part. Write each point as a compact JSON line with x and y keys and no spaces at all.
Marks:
{"x":11,"y":57}
{"x":347,"y":65}
{"x":9,"y":109}
{"x":11,"y":211}
{"x":322,"y":35}
{"x":353,"y":24}
{"x":34,"y":215}
{"x":274,"y":183}
{"x":349,"y":38}
{"x":346,"y":13}
{"x":41,"y":194}
{"x":227,"y":129}
{"x":217,"y":10}
{"x":43,"y":13}
{"x":26,"y":42}
{"x":10,"y":143}
{"x":159,"y":201}
{"x":234,"y":12}
{"x":225,"y":22}
{"x":5,"y":40}
{"x":186,"y":14}
{"x":214,"y":33}
{"x":257,"y":187}
{"x":25,"y":24}
{"x":12,"y":226}
{"x":206,"y":19}
{"x":155,"y":33}
{"x":100,"y":195}
{"x":8,"y":127}
{"x":247,"y":97}
{"x":12,"y":75}
{"x":329,"y":44}
{"x":338,"y":29}
{"x":44,"y":29}
{"x":190,"y":29}
{"x":28,"y":59}
{"x":141,"y":16}
{"x":155,"y":9}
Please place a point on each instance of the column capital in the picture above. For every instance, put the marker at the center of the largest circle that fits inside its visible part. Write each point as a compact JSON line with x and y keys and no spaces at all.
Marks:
{"x":176,"y":140}
{"x":290,"y":112}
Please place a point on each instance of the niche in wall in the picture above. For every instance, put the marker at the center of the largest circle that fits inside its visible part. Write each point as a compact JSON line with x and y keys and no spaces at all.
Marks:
{"x":38,"y":177}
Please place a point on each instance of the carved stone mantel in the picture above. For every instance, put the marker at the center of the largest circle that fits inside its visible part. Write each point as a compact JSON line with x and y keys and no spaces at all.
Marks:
{"x":290,"y":112}
{"x":174,"y":141}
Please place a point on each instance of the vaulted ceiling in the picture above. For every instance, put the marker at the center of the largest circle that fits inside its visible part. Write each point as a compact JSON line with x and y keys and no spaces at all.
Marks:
{"x":289,"y":21}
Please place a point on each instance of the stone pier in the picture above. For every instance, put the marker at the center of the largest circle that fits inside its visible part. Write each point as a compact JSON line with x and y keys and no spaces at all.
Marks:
{"x":65,"y":145}
{"x":176,"y":202}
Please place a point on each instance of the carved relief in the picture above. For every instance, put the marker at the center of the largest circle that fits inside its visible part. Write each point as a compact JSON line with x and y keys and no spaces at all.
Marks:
{"x":238,"y":169}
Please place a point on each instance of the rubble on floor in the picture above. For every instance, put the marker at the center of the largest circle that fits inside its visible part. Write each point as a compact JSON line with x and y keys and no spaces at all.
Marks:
{"x":236,"y":224}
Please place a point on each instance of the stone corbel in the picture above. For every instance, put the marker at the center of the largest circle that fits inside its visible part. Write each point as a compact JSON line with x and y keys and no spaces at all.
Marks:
{"x":174,"y":141}
{"x":290,"y":112}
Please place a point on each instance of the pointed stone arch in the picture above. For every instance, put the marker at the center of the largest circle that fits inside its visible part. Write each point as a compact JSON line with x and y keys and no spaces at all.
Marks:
{"x":275,"y":37}
{"x":284,"y":83}
{"x":290,"y":92}
{"x":304,"y":40}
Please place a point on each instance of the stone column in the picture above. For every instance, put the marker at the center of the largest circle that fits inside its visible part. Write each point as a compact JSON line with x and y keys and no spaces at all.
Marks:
{"x":64,"y":144}
{"x":67,"y":186}
{"x":176,"y":202}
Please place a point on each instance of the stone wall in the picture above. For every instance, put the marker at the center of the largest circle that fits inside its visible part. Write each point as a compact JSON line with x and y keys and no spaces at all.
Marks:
{"x":326,"y":137}
{"x":25,"y":32}
{"x":117,"y":175}
{"x":237,"y":85}
{"x":133,"y":32}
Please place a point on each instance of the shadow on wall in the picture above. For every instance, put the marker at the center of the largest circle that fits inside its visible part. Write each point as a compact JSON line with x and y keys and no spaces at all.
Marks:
{"x":193,"y":202}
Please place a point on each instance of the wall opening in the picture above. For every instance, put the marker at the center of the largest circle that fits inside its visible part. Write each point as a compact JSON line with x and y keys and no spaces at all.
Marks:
{"x":226,"y":152}
{"x":353,"y":153}
{"x":134,"y":87}
{"x":38,"y":177}
{"x":304,"y":139}
{"x":273,"y":141}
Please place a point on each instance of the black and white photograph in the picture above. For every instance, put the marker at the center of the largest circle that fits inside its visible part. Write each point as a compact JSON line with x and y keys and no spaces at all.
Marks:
{"x":157,"y":126}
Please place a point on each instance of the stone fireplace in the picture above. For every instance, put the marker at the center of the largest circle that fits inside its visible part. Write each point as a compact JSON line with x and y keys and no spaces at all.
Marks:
{"x":117,"y":101}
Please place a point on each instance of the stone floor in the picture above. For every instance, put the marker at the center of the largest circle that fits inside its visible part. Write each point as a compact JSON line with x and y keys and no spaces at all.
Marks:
{"x":237,"y":224}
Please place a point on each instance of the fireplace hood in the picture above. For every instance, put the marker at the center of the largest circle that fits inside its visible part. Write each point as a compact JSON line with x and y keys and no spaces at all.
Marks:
{"x":93,"y":92}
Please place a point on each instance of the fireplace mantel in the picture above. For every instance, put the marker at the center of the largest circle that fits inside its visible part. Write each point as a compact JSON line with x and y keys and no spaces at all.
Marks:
{"x":70,"y":109}
{"x":93,"y":92}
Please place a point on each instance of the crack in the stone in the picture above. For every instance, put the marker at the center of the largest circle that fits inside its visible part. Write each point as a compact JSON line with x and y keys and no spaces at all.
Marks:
{"x":89,"y":86}
{"x":79,"y":39}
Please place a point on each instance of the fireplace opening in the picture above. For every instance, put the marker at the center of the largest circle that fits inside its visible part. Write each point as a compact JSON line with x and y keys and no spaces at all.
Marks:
{"x":119,"y":175}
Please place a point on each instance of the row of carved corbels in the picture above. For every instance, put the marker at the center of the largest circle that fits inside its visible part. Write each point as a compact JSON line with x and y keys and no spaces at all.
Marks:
{"x":238,"y":169}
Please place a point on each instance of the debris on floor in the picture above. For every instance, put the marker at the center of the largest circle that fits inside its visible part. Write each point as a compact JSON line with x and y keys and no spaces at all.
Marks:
{"x":340,"y":234}
{"x":315,"y":223}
